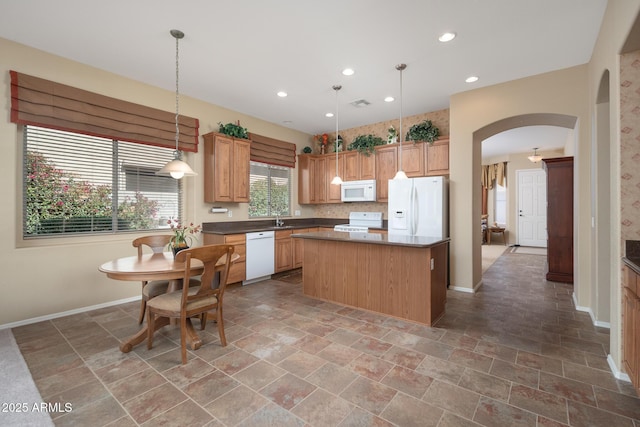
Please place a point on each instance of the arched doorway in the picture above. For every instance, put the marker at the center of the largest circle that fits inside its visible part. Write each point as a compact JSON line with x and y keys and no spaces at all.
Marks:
{"x":535,"y":119}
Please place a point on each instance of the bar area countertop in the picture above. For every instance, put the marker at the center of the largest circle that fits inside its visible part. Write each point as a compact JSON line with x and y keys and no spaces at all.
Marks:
{"x":400,"y":276}
{"x":374,"y":238}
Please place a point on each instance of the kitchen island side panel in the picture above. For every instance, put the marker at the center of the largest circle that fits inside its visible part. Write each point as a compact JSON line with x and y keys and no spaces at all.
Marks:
{"x":388,"y":279}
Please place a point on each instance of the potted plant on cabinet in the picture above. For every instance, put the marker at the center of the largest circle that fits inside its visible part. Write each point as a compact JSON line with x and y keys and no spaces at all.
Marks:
{"x":234,"y":130}
{"x":365,"y":144}
{"x":424,"y":131}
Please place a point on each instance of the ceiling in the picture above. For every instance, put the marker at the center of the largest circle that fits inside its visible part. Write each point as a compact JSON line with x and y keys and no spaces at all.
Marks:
{"x":239,"y":53}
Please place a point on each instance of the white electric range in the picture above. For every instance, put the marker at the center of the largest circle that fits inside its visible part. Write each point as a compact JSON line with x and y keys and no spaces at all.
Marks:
{"x":361,"y":222}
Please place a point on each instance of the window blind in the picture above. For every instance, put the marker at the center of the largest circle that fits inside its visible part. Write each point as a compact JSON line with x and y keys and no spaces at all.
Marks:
{"x":77,"y":183}
{"x":272,"y":151}
{"x":40,"y":102}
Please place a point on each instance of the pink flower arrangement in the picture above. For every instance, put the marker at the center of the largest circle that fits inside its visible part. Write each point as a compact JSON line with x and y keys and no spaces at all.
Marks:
{"x":182,"y":234}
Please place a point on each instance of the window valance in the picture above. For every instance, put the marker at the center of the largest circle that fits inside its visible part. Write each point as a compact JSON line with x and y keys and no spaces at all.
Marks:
{"x":40,"y":102}
{"x":272,"y":151}
{"x":493,"y":173}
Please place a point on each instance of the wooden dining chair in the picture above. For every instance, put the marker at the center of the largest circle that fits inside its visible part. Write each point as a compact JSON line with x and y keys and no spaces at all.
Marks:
{"x":193,"y":301}
{"x":157,"y":244}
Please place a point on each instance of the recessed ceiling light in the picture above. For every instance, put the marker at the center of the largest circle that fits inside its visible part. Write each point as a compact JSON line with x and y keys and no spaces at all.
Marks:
{"x":471,"y":79}
{"x":282,"y":94}
{"x":348,"y":72}
{"x":329,"y":115}
{"x":389,"y":99}
{"x":447,"y":37}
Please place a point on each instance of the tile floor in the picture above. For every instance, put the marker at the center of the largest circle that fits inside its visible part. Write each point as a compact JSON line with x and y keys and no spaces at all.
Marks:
{"x":516,"y":353}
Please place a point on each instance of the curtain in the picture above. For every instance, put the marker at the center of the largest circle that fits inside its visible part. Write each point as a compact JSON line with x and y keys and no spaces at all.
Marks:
{"x":40,"y":102}
{"x":490,"y":174}
{"x":272,"y":151}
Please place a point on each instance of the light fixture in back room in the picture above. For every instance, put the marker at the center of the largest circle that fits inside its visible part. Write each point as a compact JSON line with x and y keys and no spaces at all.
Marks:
{"x":176,"y":167}
{"x":535,"y":158}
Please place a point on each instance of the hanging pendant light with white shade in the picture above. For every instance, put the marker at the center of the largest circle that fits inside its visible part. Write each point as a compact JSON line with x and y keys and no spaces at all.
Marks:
{"x":336,"y":179}
{"x":535,"y":158}
{"x":176,"y":168}
{"x":400,"y":174}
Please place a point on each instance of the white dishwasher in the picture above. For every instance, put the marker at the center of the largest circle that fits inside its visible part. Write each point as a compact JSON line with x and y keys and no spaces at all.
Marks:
{"x":260,"y":256}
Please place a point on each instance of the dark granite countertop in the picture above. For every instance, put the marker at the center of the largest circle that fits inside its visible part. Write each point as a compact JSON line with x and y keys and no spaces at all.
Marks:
{"x":375,"y":238}
{"x":239,"y":227}
{"x":632,"y":255}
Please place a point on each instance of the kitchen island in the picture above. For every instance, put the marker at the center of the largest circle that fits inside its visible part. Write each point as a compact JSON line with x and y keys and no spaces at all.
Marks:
{"x":400,"y":276}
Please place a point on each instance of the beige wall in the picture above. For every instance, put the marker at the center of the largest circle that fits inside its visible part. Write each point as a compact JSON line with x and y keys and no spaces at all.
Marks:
{"x":559,"y":93}
{"x":61,"y":274}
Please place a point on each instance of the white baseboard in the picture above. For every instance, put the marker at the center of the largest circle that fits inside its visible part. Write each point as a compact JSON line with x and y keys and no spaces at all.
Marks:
{"x":595,"y":322}
{"x":461,"y":289}
{"x":67,"y":313}
{"x":622,"y":376}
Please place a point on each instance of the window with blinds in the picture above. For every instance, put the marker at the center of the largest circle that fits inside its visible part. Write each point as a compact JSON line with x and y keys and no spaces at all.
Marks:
{"x":270,"y":190}
{"x":75,"y":183}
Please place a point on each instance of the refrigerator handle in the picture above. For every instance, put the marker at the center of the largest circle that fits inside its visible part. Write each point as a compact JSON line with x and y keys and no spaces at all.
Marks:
{"x":415,"y":208}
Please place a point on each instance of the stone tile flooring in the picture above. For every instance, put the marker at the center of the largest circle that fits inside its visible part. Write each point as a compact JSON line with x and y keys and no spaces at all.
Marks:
{"x":516,"y":353}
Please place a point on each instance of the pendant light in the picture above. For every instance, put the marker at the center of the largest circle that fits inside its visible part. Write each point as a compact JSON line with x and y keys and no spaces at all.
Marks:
{"x":336,"y":179}
{"x":400,"y":174}
{"x":535,"y":158}
{"x":176,"y":167}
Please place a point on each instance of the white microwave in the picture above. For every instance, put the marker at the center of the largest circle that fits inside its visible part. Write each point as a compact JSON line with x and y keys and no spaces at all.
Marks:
{"x":359,"y":191}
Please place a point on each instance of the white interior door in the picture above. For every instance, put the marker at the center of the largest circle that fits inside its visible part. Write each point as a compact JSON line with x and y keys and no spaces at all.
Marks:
{"x":532,"y":207}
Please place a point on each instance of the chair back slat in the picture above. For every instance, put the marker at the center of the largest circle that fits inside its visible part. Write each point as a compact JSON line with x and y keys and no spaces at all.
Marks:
{"x":210,"y":285}
{"x":156,"y":243}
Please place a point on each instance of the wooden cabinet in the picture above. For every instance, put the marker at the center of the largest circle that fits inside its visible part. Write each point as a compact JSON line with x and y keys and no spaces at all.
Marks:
{"x":436,"y":157}
{"x":631,"y":326}
{"x":283,"y":251}
{"x":332,"y":190}
{"x":238,"y":270}
{"x":412,"y":159}
{"x":226,"y":168}
{"x":386,"y":168}
{"x":559,"y":218}
{"x":315,"y":172}
{"x":298,"y":248}
{"x":358,"y":166}
{"x":306,"y":179}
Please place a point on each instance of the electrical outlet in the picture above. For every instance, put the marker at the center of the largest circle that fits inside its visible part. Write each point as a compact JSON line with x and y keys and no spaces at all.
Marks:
{"x":230,"y":213}
{"x":297,"y":213}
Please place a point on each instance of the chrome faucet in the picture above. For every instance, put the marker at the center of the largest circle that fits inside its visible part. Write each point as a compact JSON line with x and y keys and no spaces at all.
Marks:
{"x":279,"y":222}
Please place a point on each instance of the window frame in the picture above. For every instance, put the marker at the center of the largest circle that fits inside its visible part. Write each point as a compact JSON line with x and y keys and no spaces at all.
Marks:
{"x":269,"y":205}
{"x":119,"y":176}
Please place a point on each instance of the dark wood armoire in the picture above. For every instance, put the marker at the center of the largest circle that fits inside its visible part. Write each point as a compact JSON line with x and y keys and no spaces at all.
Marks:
{"x":559,"y":218}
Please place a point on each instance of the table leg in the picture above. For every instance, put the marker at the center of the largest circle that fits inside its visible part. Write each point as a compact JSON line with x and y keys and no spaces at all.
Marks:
{"x":127,"y":346}
{"x":192,"y":337}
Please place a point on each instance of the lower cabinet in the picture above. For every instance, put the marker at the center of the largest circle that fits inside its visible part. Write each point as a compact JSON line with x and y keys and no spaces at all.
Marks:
{"x":283,"y":251}
{"x":238,"y":271}
{"x":631,"y":326}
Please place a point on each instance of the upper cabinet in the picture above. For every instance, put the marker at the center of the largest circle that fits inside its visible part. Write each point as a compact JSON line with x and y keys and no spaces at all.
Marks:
{"x":226,"y":168}
{"x":315,"y":171}
{"x":436,"y":157}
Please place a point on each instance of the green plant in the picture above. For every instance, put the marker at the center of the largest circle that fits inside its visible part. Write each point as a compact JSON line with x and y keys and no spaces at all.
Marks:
{"x":424,"y":131}
{"x":365,"y":144}
{"x":234,"y":130}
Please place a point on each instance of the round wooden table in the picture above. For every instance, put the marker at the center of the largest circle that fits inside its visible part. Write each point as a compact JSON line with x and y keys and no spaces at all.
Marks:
{"x":159,"y":266}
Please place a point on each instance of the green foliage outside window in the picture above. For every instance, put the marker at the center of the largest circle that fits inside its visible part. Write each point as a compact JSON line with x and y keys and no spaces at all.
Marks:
{"x":268,"y":200}
{"x":56,"y":202}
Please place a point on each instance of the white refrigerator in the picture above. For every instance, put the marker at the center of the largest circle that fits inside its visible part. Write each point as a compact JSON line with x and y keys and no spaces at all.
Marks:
{"x":419,"y":207}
